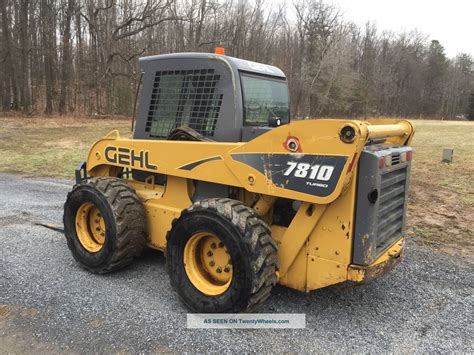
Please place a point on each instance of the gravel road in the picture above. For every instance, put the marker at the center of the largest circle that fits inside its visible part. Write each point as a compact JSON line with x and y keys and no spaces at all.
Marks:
{"x":49,"y":305}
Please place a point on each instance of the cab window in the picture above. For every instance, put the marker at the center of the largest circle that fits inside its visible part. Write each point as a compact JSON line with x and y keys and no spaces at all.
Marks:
{"x":264,"y":98}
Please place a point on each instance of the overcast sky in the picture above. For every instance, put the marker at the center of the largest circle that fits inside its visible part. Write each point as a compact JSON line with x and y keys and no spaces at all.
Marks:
{"x":449,"y":21}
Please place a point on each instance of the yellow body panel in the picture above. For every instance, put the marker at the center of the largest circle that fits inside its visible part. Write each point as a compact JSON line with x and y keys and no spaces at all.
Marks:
{"x":296,"y":275}
{"x":315,"y":250}
{"x":324,"y":272}
{"x":162,"y":206}
{"x":296,"y":235}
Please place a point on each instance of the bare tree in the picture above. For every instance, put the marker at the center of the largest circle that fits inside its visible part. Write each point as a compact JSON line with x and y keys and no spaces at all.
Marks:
{"x":66,"y":64}
{"x":10,"y":79}
{"x":60,"y":56}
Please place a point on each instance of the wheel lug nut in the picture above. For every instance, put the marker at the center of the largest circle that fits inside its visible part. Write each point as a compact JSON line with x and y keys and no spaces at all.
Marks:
{"x":219,"y":270}
{"x":212,"y":263}
{"x":209,"y":253}
{"x":213,"y":246}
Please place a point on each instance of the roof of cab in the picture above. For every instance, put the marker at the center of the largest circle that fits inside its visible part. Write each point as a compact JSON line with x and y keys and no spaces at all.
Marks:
{"x":239,"y":64}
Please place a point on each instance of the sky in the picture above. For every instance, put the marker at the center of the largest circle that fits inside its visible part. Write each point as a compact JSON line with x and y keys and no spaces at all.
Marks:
{"x":449,"y":21}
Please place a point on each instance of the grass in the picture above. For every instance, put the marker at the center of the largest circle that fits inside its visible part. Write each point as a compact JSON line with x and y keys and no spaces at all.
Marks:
{"x":430,"y":139}
{"x":441,"y":206}
{"x":51,"y":146}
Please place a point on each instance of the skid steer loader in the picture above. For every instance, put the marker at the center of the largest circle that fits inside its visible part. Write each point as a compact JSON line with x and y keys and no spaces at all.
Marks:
{"x":238,"y":197}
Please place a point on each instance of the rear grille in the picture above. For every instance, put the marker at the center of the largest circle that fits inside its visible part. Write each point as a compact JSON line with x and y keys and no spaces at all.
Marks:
{"x":391,"y":208}
{"x":380,"y":222}
{"x":395,"y":159}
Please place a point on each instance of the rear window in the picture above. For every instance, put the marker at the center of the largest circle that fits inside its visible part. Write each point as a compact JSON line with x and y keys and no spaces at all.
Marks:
{"x":264,"y":98}
{"x":184,"y":98}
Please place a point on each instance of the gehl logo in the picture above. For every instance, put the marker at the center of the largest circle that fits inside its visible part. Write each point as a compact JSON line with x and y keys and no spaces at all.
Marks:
{"x":312,"y":172}
{"x":125,"y":156}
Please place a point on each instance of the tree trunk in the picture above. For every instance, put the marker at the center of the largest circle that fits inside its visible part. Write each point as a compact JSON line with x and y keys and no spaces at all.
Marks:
{"x":78,"y":93}
{"x":66,"y":63}
{"x":46,"y":37}
{"x":24,"y":63}
{"x":11,"y":80}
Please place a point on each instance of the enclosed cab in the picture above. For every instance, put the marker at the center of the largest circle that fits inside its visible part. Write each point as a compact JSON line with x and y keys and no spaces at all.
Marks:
{"x":223,"y":98}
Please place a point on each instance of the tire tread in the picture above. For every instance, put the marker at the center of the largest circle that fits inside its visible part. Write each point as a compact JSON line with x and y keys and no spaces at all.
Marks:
{"x":129,"y":214}
{"x":257,"y":235}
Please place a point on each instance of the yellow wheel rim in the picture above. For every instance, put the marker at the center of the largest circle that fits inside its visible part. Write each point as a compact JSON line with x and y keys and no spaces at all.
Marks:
{"x":90,"y":227}
{"x":207,"y":263}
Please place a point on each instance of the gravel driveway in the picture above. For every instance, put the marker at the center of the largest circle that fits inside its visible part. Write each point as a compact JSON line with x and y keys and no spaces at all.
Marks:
{"x":48,"y":304}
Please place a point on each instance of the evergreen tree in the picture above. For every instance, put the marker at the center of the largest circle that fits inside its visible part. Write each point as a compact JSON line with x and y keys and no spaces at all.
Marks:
{"x":436,"y":70}
{"x":470,"y":112}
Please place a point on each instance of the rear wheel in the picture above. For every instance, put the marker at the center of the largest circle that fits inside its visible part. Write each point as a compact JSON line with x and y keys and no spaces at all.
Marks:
{"x":104,"y":224}
{"x":221,"y":257}
{"x":207,"y":263}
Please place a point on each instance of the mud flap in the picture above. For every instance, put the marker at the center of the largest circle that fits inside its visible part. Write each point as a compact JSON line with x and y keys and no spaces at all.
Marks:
{"x":80,"y":172}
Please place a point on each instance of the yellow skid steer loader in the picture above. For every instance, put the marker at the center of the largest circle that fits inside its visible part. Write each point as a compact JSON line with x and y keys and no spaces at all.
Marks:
{"x":238,"y":197}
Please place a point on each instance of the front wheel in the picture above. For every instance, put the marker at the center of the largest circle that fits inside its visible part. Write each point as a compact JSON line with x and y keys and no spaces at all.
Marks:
{"x":104,"y":224}
{"x":221,"y":257}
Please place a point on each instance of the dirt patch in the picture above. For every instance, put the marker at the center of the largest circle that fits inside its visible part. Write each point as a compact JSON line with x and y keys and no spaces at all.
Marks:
{"x":438,"y":217}
{"x":14,"y":310}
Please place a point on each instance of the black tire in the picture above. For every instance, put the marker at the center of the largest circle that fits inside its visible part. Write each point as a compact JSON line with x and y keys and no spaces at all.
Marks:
{"x":124,"y":218}
{"x":248,"y":241}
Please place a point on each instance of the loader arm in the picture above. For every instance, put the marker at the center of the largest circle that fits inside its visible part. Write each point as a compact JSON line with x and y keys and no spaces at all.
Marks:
{"x":266,"y":165}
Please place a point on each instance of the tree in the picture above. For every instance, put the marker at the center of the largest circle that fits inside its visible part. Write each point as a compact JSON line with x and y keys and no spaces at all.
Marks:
{"x":470,"y":113}
{"x":24,"y":72}
{"x":436,"y":70}
{"x":365,"y":94}
{"x":10,"y":77}
{"x":48,"y":40}
{"x":66,"y":65}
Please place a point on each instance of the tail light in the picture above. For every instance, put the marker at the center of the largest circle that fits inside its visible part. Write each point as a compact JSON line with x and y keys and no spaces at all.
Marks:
{"x":381,"y":162}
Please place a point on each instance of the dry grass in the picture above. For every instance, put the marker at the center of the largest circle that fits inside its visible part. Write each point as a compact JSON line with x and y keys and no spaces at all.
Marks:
{"x":441,"y":209}
{"x":441,"y":206}
{"x":51,"y":146}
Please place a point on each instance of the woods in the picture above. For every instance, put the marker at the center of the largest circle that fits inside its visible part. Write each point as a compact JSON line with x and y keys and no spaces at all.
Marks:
{"x":81,"y":56}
